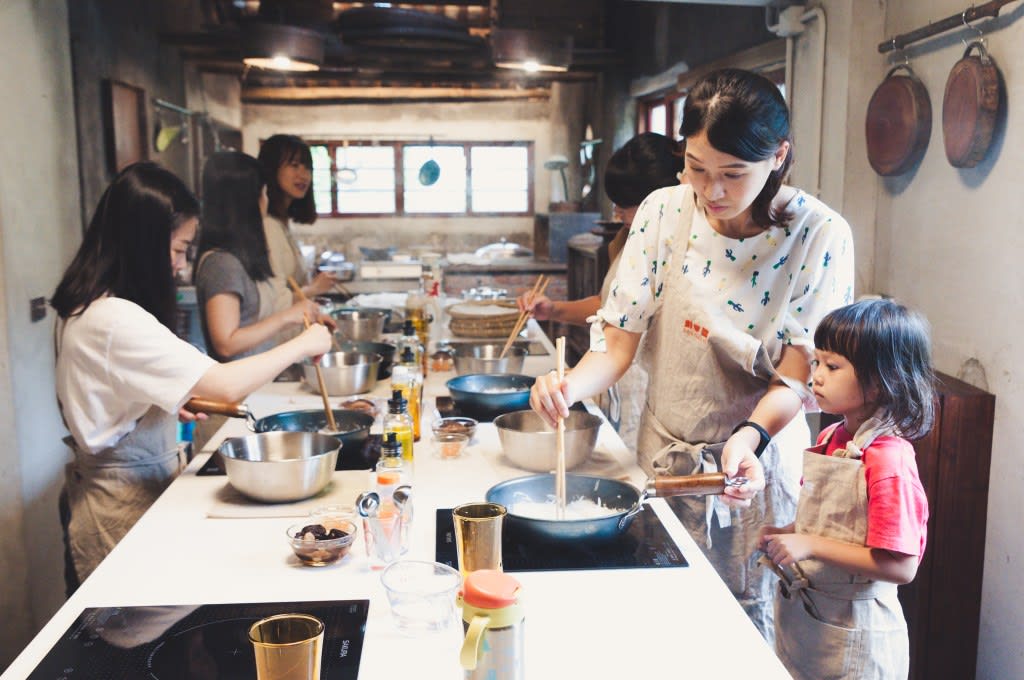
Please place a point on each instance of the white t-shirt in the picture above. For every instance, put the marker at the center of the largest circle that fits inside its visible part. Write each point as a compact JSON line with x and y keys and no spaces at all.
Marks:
{"x":115,"y":362}
{"x":775,"y":286}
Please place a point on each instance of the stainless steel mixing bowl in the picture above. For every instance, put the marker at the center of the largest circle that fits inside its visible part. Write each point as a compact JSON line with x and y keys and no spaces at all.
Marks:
{"x":486,"y":358}
{"x":280,"y":467}
{"x":529,"y":442}
{"x":345,"y":373}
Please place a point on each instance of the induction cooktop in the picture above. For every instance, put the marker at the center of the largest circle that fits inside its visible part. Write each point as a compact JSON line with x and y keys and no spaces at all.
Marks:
{"x":646,"y":544}
{"x":197,"y":642}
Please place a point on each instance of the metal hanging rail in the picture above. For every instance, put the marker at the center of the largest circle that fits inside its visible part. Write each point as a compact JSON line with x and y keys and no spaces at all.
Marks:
{"x":988,"y":9}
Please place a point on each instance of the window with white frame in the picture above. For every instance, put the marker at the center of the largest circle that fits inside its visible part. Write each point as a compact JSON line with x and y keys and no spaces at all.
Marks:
{"x":369,"y":178}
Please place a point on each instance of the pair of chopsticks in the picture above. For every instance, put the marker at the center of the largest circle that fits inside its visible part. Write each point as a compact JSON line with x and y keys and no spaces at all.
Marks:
{"x":560,"y":437}
{"x":538,"y":289}
{"x":331,"y":424}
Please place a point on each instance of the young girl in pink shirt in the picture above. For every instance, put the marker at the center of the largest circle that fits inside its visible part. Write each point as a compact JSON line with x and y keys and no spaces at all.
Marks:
{"x":861,"y":522}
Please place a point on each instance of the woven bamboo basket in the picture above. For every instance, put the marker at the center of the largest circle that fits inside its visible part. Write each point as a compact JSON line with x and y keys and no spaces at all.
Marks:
{"x":476,"y":319}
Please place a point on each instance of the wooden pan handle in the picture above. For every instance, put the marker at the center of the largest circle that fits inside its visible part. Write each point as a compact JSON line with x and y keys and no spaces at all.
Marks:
{"x":711,"y":483}
{"x":224,"y":408}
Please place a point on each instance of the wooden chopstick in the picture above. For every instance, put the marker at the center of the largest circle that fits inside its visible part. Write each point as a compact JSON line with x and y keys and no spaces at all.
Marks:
{"x":538,"y":289}
{"x":331,"y":424}
{"x":560,"y":438}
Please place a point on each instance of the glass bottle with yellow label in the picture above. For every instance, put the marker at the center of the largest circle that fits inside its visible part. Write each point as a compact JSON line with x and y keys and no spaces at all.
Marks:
{"x":406,"y":376}
{"x":397,"y":420}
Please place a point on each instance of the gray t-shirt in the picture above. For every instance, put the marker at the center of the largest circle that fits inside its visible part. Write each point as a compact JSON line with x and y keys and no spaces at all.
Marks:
{"x":221,"y":272}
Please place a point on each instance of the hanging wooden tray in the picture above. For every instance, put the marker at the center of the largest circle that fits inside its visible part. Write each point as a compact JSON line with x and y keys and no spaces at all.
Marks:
{"x":969,"y":107}
{"x":899,"y":123}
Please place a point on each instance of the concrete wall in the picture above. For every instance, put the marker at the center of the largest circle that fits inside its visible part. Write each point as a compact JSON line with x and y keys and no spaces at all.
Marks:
{"x":554,"y":126}
{"x":39,"y":229}
{"x":948,"y":242}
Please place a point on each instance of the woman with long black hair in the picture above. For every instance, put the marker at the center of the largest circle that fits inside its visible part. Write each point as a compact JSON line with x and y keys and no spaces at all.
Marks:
{"x":122,"y":374}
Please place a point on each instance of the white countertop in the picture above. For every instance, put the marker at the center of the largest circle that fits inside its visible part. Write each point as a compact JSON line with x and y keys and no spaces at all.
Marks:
{"x":678,"y":622}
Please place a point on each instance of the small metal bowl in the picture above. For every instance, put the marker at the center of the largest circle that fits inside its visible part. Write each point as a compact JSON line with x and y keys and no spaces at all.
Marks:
{"x":345,"y":373}
{"x":486,"y":358}
{"x":384,"y":349}
{"x":360,"y":324}
{"x":280,"y":467}
{"x":530,"y":443}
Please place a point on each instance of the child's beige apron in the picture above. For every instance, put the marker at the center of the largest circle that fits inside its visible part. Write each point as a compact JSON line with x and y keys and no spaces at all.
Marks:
{"x":831,"y":624}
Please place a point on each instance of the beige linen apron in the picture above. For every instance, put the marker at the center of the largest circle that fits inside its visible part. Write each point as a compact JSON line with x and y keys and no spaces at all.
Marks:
{"x":705,"y":377}
{"x":108,"y":491}
{"x":831,"y":624}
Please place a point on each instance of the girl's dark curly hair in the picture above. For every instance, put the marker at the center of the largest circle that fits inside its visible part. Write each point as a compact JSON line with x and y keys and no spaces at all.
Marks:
{"x":890,"y":349}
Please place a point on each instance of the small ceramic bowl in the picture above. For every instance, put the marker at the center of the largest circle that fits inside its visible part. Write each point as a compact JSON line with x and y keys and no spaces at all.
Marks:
{"x":322,"y":543}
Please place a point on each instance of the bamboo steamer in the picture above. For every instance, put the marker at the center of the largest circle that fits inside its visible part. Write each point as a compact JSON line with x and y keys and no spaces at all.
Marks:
{"x":483,"y":318}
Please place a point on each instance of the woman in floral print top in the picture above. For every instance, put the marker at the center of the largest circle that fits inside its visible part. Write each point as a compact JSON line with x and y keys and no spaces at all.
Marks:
{"x":728,"y":277}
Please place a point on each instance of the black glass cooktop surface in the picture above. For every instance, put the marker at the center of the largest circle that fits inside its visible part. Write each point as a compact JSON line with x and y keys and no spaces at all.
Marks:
{"x":646,"y":544}
{"x":204,"y":642}
{"x":365,"y":459}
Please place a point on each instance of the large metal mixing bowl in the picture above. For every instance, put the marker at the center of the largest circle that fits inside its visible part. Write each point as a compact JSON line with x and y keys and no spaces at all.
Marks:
{"x":280,"y":467}
{"x":530,"y":443}
{"x":345,"y":373}
{"x":359,"y":324}
{"x":484,"y":396}
{"x":486,"y":358}
{"x":611,"y":493}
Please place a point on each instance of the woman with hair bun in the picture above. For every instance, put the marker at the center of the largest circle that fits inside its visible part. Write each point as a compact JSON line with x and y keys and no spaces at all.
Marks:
{"x":725,"y":279}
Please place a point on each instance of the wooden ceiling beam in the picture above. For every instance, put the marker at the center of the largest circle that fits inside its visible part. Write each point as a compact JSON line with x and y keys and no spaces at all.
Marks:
{"x":381,"y":95}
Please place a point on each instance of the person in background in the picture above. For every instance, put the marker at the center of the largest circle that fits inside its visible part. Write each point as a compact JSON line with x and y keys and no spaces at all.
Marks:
{"x":237,"y":319}
{"x":288,"y":167}
{"x":862,"y":520}
{"x":723,"y":278}
{"x":122,"y":375}
{"x":646,"y":162}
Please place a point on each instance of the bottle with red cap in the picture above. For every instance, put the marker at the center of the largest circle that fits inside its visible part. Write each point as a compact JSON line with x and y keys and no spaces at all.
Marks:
{"x":493,"y":620}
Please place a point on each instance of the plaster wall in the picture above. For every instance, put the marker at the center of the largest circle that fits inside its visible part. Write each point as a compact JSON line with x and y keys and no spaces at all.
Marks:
{"x":554,"y":126}
{"x":39,"y":229}
{"x":948,"y":243}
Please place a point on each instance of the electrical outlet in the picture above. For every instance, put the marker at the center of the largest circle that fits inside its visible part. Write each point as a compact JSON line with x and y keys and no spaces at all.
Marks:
{"x":37,"y":309}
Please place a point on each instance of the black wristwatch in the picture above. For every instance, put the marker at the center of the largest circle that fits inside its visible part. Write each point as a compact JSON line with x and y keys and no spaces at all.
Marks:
{"x":765,"y":437}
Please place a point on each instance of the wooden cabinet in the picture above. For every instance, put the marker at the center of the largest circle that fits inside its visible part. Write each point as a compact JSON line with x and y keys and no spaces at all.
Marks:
{"x":943,"y":604}
{"x":587,"y":261}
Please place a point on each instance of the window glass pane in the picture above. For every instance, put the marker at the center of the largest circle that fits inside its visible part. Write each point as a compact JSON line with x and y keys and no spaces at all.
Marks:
{"x":500,"y":201}
{"x":500,"y":179}
{"x":372,"y":190}
{"x":677,"y":119}
{"x":448,"y":193}
{"x":656,"y":119}
{"x":321,"y":157}
{"x":323,"y":202}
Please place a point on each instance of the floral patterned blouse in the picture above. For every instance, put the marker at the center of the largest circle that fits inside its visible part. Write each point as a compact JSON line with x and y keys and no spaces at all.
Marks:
{"x":775,"y":286}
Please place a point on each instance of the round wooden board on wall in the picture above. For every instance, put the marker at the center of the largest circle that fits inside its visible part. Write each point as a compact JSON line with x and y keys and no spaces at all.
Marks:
{"x":969,"y":107}
{"x":899,"y":123}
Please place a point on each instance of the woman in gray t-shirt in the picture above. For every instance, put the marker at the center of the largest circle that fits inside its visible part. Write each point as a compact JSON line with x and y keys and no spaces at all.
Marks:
{"x":237,"y":320}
